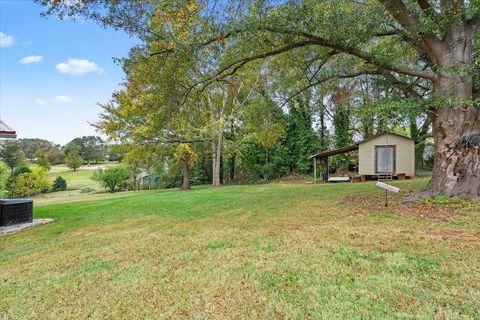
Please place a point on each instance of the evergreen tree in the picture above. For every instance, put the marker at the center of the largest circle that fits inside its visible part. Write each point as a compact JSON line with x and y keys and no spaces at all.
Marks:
{"x":59,"y":184}
{"x":301,"y":139}
{"x":341,"y":124}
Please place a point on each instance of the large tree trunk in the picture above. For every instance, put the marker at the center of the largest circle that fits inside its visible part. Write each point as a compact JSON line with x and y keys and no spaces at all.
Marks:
{"x":456,"y":127}
{"x":456,"y":171}
{"x":216,"y":159}
{"x":186,"y":172}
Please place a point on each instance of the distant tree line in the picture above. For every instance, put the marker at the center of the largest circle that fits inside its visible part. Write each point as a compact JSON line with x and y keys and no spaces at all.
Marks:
{"x":89,"y":149}
{"x":25,"y":162}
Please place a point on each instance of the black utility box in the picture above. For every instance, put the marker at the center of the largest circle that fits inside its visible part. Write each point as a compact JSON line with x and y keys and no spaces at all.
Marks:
{"x":15,"y":211}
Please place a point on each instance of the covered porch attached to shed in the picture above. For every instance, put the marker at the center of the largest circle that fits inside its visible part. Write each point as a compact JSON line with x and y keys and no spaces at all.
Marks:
{"x":322,"y":158}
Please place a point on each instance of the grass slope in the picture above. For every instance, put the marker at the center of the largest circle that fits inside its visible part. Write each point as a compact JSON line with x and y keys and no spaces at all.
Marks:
{"x":273,"y":251}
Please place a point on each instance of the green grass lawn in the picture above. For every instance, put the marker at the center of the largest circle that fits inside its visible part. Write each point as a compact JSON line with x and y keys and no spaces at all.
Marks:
{"x":79,"y":182}
{"x":274,"y":251}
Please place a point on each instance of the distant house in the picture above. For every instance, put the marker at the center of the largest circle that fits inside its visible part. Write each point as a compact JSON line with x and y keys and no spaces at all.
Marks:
{"x":6,"y":131}
{"x":383,"y":153}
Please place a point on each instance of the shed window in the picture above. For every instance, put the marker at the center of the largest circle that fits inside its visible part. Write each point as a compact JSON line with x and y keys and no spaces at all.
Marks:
{"x":385,"y":159}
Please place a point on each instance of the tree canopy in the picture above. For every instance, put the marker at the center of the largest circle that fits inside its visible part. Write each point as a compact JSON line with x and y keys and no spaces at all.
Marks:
{"x":406,"y":52}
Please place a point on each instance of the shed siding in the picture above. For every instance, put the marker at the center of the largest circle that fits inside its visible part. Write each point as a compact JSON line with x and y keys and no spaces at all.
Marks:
{"x":405,"y":154}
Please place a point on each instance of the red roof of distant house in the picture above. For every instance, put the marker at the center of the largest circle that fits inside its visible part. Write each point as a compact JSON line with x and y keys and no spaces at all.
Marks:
{"x":6,"y":131}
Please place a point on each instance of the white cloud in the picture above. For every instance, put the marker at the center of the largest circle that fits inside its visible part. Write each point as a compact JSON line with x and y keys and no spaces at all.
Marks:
{"x":40,"y":102}
{"x":78,"y":67}
{"x":63,"y":99}
{"x":31,"y":59}
{"x":5,"y":40}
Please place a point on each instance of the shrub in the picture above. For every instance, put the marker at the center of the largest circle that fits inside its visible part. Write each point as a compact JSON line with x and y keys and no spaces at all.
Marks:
{"x":60,"y":184}
{"x":30,"y":183}
{"x":10,"y":184}
{"x":111,"y":178}
{"x":4,"y":174}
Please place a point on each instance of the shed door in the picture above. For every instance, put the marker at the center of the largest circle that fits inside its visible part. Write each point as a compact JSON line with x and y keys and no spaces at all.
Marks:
{"x":385,"y":159}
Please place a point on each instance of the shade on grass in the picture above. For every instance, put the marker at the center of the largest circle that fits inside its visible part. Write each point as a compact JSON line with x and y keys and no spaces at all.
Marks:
{"x":263,"y":251}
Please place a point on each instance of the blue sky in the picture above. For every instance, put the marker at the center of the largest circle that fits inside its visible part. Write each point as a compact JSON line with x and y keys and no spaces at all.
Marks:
{"x":53,"y":73}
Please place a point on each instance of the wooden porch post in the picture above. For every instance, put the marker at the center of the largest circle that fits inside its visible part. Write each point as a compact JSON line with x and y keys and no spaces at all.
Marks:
{"x":314,"y":169}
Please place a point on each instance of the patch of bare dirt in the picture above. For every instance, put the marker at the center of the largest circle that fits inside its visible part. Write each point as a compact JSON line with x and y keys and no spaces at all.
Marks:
{"x":375,"y":202}
{"x":295,"y":179}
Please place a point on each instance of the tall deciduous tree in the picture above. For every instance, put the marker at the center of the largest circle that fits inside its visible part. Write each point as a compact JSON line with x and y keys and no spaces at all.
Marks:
{"x":42,"y":160}
{"x":223,"y":102}
{"x":151,"y":109}
{"x":90,"y":148}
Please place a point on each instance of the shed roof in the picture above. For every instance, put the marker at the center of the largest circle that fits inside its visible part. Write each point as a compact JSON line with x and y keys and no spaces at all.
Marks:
{"x":354,"y":146}
{"x":335,"y":151}
{"x":381,"y":134}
